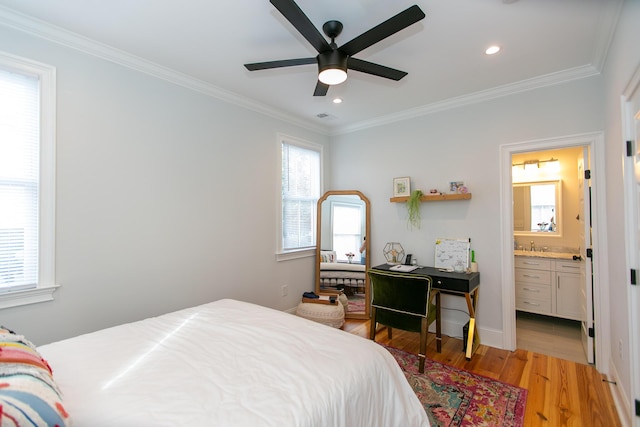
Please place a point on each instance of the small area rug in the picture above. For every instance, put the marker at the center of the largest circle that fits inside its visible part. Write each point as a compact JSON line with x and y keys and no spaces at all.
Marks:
{"x":455,"y":397}
{"x":356,"y":305}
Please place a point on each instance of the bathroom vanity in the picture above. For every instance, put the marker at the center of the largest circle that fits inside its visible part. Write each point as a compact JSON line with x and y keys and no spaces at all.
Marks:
{"x":549,"y":283}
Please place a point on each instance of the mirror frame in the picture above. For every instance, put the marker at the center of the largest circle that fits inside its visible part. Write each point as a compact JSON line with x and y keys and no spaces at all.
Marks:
{"x":558,"y":209}
{"x":367,"y":246}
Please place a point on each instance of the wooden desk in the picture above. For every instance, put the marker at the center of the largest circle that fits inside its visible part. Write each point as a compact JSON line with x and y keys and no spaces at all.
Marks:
{"x":463,"y":284}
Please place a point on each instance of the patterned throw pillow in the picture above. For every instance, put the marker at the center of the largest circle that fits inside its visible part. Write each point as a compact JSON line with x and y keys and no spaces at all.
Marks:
{"x":28,"y":394}
{"x":328,"y":256}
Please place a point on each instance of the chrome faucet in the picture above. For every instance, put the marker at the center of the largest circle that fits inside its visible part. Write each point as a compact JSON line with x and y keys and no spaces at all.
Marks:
{"x":533,"y":246}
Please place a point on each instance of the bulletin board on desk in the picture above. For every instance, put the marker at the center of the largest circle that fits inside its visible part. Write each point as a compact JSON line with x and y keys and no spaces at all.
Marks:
{"x":451,"y":250}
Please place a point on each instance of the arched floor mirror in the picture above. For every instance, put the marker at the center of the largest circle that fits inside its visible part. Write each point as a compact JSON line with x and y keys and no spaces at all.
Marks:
{"x":343,"y":229}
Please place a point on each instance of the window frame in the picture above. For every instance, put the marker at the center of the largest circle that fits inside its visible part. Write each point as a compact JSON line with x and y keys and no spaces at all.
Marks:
{"x":281,"y":253}
{"x":46,"y":285}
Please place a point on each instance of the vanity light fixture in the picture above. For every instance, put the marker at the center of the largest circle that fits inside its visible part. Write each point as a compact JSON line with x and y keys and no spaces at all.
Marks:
{"x":547,"y":167}
{"x":547,"y":163}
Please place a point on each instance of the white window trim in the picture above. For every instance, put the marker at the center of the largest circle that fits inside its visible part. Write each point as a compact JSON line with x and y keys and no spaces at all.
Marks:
{"x":46,"y":244}
{"x":281,"y":254}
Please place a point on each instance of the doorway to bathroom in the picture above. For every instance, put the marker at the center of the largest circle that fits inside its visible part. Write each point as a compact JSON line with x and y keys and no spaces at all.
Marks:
{"x":558,"y":316}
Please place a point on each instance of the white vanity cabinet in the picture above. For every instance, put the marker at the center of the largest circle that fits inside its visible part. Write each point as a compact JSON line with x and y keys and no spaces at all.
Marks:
{"x":533,"y":285}
{"x":549,"y":286}
{"x":569,"y":289}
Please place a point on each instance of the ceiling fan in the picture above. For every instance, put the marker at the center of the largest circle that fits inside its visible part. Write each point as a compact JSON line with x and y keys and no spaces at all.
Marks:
{"x":333,"y":61}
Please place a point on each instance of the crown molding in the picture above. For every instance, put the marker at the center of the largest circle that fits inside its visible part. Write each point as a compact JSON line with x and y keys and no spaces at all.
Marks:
{"x":41,"y":29}
{"x":606,"y":30}
{"x":474,"y":98}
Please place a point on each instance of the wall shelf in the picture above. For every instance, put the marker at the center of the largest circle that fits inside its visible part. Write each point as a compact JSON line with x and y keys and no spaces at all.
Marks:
{"x":434,"y":197}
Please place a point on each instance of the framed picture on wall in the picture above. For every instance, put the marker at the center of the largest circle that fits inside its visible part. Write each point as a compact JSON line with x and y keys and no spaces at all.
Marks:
{"x":402,"y":186}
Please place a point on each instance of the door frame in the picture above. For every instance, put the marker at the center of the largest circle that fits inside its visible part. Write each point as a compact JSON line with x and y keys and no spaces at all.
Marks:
{"x":595,"y":142}
{"x":629,"y":102}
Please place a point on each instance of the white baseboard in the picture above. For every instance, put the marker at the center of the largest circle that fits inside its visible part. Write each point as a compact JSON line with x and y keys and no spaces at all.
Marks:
{"x":620,"y":398}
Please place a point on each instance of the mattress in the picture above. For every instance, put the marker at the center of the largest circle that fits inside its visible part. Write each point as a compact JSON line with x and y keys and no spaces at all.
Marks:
{"x":230,"y":363}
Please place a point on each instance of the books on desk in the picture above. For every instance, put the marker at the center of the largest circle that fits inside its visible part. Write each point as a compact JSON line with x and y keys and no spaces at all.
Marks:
{"x":404,"y":268}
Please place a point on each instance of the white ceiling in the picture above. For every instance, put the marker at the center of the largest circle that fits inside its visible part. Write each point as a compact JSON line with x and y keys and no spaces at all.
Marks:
{"x":204,"y":44}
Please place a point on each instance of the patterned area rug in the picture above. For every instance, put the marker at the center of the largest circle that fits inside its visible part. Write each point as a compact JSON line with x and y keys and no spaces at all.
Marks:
{"x":454,"y":397}
{"x":356,"y":303}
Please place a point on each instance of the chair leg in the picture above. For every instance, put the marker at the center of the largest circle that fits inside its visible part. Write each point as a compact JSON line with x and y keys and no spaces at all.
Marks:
{"x":423,"y":344}
{"x":389,"y":332}
{"x":372,"y":327}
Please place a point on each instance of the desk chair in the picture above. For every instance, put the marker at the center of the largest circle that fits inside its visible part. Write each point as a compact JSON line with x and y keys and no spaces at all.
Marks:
{"x":402,"y":301}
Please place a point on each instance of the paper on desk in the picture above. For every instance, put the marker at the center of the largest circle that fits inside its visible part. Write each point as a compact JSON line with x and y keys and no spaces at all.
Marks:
{"x":405,"y":268}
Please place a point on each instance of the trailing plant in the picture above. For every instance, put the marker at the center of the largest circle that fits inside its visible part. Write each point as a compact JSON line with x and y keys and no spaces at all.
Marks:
{"x":413,"y":208}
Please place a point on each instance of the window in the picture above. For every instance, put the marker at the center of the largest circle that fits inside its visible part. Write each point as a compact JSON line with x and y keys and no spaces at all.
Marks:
{"x":301,"y":171}
{"x":347,"y":230}
{"x":543,"y":202}
{"x":27,"y":92}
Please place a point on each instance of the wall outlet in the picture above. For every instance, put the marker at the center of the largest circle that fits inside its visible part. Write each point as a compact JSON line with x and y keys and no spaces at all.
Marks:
{"x":285,"y":290}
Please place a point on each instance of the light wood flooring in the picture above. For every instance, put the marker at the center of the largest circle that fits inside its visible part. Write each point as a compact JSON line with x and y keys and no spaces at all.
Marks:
{"x":552,"y":336}
{"x":560,"y":392}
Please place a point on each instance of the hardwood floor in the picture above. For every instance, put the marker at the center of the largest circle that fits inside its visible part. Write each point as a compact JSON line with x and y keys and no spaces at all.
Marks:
{"x":560,"y":392}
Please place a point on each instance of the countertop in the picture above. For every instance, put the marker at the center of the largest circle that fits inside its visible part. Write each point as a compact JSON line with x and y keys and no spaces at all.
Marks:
{"x":554,"y":255}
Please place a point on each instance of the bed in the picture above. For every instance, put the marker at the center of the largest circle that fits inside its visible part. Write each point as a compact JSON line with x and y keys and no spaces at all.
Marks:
{"x":340,"y":275}
{"x":230,"y":363}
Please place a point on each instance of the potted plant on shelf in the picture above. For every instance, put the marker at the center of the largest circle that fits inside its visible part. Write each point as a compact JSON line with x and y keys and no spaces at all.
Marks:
{"x":413,"y":208}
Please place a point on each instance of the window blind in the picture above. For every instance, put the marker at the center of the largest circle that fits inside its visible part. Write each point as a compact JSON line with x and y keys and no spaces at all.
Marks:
{"x":19,"y":180}
{"x":300,"y":194}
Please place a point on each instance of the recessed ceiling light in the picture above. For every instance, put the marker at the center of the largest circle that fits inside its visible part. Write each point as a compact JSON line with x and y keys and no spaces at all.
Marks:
{"x":337,"y":100}
{"x":492,"y":50}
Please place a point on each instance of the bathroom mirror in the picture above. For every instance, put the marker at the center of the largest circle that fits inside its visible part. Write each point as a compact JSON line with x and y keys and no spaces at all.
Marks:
{"x":343,"y":231}
{"x":536,"y":208}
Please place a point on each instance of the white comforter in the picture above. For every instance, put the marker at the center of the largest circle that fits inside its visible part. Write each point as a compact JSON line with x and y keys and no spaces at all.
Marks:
{"x":229,"y":363}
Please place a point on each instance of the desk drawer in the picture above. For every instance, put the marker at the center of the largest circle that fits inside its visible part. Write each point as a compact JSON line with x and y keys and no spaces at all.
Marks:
{"x":533,"y":263}
{"x":453,"y":285}
{"x":533,"y":276}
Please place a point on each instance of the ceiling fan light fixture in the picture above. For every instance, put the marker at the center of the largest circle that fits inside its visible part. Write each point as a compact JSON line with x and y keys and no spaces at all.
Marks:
{"x":332,"y":76}
{"x":332,"y":67}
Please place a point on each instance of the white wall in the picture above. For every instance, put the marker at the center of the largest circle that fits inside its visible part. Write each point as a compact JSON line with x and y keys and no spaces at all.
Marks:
{"x":622,"y":61}
{"x":459,"y":145}
{"x":166,"y":198}
{"x":463,"y":144}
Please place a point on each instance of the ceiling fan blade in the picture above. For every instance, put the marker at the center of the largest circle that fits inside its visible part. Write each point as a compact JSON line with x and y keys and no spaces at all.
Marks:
{"x":375,"y":69}
{"x":278,"y":64}
{"x":290,"y":10}
{"x":321,"y":89}
{"x":380,"y":32}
